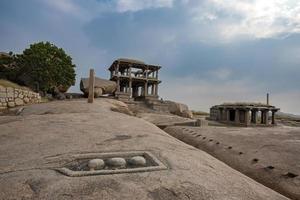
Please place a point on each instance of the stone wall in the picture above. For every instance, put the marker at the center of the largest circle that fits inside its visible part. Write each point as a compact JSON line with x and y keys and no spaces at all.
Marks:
{"x":12,"y":97}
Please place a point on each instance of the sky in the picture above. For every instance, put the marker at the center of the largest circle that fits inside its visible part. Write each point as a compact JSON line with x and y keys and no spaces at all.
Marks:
{"x":211,"y":51}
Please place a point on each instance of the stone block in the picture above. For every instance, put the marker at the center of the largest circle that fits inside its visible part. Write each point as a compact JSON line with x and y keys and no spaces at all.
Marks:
{"x":10,"y":94}
{"x":26,"y":100}
{"x":2,"y":100}
{"x":10,"y":89}
{"x":19,"y":102}
{"x":11,"y":104}
{"x":21,"y":96}
{"x":2,"y":94}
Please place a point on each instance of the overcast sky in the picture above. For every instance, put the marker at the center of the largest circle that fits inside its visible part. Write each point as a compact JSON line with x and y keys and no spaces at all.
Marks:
{"x":211,"y":51}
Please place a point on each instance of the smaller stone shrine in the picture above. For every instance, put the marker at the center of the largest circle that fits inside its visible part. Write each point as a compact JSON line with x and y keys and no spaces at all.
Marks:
{"x":245,"y":114}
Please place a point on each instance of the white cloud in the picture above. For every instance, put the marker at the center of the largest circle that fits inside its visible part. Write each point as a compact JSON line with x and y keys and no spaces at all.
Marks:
{"x":136,"y":5}
{"x":67,"y":6}
{"x":232,"y":19}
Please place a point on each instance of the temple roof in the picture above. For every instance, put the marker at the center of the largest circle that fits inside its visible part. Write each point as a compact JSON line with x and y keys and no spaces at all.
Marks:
{"x":250,"y":105}
{"x":128,"y":60}
{"x":125,"y":62}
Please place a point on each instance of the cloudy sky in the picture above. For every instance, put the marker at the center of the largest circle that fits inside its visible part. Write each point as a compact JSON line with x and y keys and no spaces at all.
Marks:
{"x":211,"y":51}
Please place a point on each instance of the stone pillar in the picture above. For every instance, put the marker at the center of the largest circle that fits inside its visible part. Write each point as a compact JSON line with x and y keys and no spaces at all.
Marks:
{"x":156,"y":89}
{"x":237,"y":116}
{"x":146,"y":73}
{"x":130,"y":87}
{"x":266,"y":117}
{"x":146,"y":89}
{"x":220,"y":114}
{"x":247,"y":118}
{"x":227,"y":115}
{"x":156,"y":74}
{"x":262,"y":120}
{"x":273,"y":117}
{"x":254,"y":116}
{"x":152,"y":89}
{"x":117,"y":69}
{"x":91,"y":86}
{"x":129,"y":71}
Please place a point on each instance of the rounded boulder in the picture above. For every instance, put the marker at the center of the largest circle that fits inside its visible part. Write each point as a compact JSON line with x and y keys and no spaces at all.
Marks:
{"x":96,"y":164}
{"x":137,"y":160}
{"x":116,"y":162}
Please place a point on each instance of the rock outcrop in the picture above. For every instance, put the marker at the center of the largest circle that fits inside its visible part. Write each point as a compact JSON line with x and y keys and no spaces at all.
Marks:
{"x":51,"y":135}
{"x":179,"y":109}
{"x":102,"y":86}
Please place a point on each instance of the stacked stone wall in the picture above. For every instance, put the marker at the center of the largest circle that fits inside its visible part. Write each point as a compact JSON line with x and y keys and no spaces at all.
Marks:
{"x":12,"y":97}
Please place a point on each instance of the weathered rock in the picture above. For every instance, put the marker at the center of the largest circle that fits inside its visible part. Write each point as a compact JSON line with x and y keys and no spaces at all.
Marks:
{"x":26,"y":100}
{"x":137,"y":160}
{"x":102,"y":86}
{"x":96,"y":164}
{"x":19,"y":102}
{"x":116,"y":162}
{"x":28,"y":160}
{"x":11,"y":104}
{"x":179,"y":109}
{"x":60,"y":96}
{"x":187,"y":114}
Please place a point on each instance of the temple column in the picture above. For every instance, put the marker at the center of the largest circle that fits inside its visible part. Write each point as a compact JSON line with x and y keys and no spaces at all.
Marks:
{"x":146,"y":89}
{"x":117,"y":69}
{"x":237,"y":116}
{"x":130,"y":87}
{"x":152,"y":89}
{"x":266,"y":117}
{"x":156,"y":89}
{"x":118,"y":85}
{"x":273,"y":117}
{"x":247,"y":117}
{"x":221,"y":114}
{"x":227,"y":115}
{"x":254,"y":116}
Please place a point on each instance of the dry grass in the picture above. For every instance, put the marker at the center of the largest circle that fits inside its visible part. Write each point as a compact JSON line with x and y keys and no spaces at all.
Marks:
{"x":6,"y":83}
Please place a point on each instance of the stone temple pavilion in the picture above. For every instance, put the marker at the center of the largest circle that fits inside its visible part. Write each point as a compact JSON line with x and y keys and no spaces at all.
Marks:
{"x":135,"y":79}
{"x":245,"y":114}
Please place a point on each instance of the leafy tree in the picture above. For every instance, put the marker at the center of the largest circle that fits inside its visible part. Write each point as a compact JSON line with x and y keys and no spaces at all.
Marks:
{"x":45,"y":67}
{"x":7,"y":66}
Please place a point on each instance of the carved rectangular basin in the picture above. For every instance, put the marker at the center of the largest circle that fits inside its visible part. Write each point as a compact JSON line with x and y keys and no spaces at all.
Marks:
{"x":79,"y":165}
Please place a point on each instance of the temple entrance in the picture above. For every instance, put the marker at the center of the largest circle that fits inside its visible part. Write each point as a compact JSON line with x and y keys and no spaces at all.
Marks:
{"x":232,"y":115}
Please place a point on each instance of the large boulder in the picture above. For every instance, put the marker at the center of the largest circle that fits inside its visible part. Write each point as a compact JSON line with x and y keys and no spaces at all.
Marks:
{"x":179,"y":109}
{"x":102,"y":86}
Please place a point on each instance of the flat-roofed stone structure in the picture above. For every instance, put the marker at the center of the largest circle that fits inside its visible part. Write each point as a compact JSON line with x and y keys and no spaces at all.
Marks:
{"x":135,"y":79}
{"x":246,"y":114}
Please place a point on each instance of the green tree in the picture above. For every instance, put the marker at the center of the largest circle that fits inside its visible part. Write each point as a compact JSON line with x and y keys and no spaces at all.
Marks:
{"x":45,"y":67}
{"x":7,"y":66}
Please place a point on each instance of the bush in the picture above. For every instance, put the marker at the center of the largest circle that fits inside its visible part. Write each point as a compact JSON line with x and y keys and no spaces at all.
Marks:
{"x":45,"y":67}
